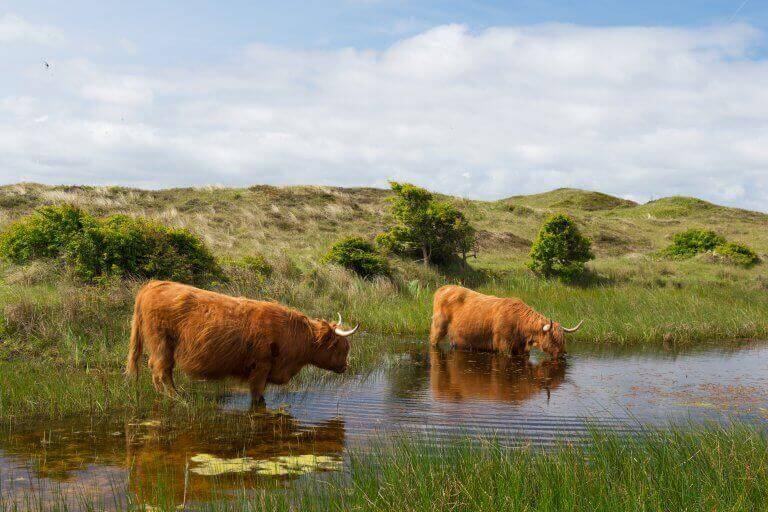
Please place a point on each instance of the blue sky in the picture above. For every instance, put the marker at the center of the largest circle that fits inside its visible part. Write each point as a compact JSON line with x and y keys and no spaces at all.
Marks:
{"x":482,"y":99}
{"x":186,"y":30}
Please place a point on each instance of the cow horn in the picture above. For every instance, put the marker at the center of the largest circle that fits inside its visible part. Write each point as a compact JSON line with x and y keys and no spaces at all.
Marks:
{"x":350,"y":332}
{"x":573,"y":329}
{"x":339,"y":322}
{"x":548,"y":327}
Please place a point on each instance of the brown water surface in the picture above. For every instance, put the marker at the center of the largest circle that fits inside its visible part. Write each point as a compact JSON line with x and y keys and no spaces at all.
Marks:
{"x":433,"y":395}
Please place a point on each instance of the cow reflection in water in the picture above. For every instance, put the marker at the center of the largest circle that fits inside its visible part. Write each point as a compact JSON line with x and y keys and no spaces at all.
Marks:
{"x":105,"y":460}
{"x":459,"y":375}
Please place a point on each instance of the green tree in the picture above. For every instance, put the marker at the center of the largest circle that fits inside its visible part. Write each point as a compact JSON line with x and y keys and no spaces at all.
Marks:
{"x":359,"y":256}
{"x":433,"y":230}
{"x":560,"y":250}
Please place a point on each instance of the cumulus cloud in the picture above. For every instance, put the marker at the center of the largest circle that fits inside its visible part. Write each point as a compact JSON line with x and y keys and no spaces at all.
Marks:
{"x":637,"y":112}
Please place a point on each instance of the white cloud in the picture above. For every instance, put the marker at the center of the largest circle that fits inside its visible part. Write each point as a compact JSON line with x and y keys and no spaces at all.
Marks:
{"x":16,"y":29}
{"x":637,"y":112}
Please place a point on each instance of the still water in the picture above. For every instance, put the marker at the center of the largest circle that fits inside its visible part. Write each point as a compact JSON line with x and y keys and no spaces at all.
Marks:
{"x":435,"y":394}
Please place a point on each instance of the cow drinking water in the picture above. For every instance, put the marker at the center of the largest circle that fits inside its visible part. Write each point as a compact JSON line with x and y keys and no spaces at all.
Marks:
{"x":213,"y":336}
{"x":484,"y":322}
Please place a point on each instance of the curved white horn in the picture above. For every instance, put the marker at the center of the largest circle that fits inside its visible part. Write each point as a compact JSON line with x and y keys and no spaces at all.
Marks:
{"x":548,"y":327}
{"x":350,"y":332}
{"x":573,"y":329}
{"x":339,"y":322}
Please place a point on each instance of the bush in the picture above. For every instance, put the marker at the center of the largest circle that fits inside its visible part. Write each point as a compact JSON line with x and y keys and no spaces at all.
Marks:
{"x":738,"y":254}
{"x":257,"y":264}
{"x":432,"y":230}
{"x":692,"y":242}
{"x":117,"y":246}
{"x":559,"y":249}
{"x":121,"y":246}
{"x":359,"y":256}
{"x":43,"y":234}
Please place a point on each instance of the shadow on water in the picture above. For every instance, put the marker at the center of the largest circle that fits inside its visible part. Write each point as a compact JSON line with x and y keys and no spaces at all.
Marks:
{"x":438,"y":393}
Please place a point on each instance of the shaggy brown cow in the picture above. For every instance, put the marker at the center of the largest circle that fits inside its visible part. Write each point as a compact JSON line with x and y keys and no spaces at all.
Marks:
{"x":213,"y":336}
{"x":484,"y":322}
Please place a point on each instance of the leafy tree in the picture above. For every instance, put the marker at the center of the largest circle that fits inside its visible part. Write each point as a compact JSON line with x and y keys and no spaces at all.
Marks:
{"x":359,"y":256}
{"x":560,"y":250}
{"x":434,"y":230}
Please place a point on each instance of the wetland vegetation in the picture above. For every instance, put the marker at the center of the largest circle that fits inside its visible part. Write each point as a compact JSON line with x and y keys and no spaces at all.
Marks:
{"x":63,"y":341}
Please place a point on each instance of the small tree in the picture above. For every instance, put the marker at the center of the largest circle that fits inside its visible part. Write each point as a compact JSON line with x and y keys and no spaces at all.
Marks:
{"x":560,"y":250}
{"x":359,"y":256}
{"x":434,"y":230}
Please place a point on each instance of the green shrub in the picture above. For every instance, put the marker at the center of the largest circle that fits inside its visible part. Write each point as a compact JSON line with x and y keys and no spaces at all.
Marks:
{"x":692,"y":242}
{"x":559,"y":249}
{"x":738,"y":254}
{"x":121,"y":246}
{"x":43,"y":234}
{"x":257,"y":264}
{"x":117,"y":246}
{"x":359,"y":256}
{"x":425,"y":228}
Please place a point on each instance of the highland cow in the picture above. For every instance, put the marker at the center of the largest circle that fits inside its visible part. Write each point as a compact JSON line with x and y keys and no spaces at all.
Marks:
{"x":213,"y":336}
{"x":483,"y":322}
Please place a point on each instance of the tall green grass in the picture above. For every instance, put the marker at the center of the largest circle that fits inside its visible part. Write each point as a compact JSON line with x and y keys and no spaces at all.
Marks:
{"x":723,"y":469}
{"x":719,"y":469}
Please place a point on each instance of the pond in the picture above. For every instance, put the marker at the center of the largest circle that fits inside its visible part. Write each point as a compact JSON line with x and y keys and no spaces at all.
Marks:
{"x":433,"y":394}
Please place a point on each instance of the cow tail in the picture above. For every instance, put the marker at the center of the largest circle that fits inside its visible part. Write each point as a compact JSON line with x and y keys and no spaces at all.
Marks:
{"x":135,"y":346}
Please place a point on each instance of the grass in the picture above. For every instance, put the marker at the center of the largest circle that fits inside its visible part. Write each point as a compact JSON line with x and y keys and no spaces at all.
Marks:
{"x":711,"y":468}
{"x":50,"y":324}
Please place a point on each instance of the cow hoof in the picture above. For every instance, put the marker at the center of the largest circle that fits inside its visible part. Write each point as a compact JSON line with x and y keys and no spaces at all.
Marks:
{"x":258,"y":403}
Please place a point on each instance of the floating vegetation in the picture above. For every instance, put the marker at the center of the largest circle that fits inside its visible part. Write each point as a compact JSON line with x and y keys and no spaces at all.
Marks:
{"x":210,"y":465}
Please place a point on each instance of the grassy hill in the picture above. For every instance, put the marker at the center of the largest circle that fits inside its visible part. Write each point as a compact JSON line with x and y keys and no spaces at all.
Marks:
{"x":305,"y":220}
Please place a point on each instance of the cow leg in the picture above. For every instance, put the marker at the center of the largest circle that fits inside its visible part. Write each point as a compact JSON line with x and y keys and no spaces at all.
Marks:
{"x":258,"y":382}
{"x":438,"y":330}
{"x":500,"y":343}
{"x":162,"y":363}
{"x":156,"y":380}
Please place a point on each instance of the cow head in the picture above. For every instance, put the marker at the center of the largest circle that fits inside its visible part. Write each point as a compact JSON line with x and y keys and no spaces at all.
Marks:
{"x":551,"y":338}
{"x":332,"y":346}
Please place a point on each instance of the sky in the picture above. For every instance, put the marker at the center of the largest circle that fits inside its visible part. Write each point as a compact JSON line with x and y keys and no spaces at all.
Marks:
{"x":479,"y":99}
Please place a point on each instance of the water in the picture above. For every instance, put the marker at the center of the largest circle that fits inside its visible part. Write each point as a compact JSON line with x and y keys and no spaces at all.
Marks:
{"x":436,"y":394}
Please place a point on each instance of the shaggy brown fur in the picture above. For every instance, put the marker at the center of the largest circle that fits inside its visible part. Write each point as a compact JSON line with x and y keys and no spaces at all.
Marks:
{"x":213,"y":336}
{"x":457,"y":375}
{"x":484,"y":322}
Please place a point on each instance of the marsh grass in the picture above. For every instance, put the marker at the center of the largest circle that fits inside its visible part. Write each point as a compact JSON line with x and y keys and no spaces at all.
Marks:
{"x":51,"y":325}
{"x":687,"y":469}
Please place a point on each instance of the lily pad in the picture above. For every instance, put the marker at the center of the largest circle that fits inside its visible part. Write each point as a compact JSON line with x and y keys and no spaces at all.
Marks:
{"x":210,"y":465}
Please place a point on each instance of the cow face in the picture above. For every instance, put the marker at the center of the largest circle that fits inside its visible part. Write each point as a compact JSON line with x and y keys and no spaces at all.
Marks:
{"x":551,"y":339}
{"x":331,"y":349}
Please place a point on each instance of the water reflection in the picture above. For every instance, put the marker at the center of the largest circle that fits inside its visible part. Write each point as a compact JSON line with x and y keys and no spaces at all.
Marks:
{"x":461,"y":376}
{"x":108,"y":460}
{"x":435,"y":392}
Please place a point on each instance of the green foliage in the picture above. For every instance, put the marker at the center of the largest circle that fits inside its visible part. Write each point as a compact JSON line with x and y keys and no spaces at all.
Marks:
{"x":359,"y":256}
{"x":433,"y":230}
{"x":116,"y":246}
{"x":692,"y":242}
{"x":738,"y":254}
{"x":120,"y":246}
{"x":43,"y":234}
{"x":257,"y":264}
{"x":560,"y":250}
